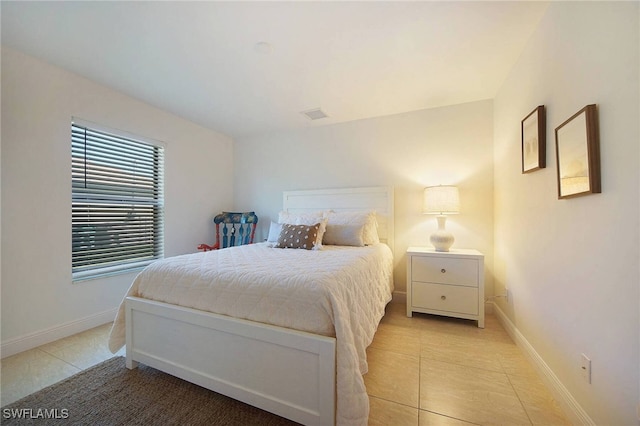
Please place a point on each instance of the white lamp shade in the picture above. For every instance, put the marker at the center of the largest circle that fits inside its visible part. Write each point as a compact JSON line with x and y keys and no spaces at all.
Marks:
{"x":441,"y":200}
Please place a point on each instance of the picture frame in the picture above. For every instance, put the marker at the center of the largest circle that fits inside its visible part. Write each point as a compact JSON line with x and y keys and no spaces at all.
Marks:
{"x":533,"y":132}
{"x":578,"y":154}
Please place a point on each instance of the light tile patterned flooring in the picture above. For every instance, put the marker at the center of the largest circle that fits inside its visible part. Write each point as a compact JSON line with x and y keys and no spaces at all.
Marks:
{"x":32,"y":370}
{"x":430,"y":370}
{"x":424,"y":370}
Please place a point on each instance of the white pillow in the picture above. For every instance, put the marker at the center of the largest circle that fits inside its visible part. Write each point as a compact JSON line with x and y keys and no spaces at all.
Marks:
{"x":274,"y":232}
{"x":366,"y":219}
{"x":344,"y":235}
{"x":308,"y":219}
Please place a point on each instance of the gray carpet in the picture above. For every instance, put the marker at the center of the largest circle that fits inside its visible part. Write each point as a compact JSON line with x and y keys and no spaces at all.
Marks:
{"x":110,"y":394}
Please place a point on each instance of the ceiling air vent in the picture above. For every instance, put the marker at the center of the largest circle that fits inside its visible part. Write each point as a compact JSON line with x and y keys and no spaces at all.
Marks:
{"x":314,"y":114}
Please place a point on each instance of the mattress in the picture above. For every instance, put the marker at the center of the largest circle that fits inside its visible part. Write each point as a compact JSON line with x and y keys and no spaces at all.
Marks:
{"x":337,"y":291}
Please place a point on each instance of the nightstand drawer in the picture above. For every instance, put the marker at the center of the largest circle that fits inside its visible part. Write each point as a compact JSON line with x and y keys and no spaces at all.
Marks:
{"x":445,"y":298}
{"x":442,"y":270}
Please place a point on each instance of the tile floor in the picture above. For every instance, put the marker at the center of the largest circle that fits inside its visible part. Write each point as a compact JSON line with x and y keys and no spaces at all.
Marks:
{"x":430,"y":370}
{"x":424,"y":370}
{"x":29,"y":371}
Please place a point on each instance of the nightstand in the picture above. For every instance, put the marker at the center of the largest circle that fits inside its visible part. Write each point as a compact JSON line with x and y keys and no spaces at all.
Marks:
{"x":446,"y":283}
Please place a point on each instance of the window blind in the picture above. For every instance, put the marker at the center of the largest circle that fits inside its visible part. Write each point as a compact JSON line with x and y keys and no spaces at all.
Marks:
{"x":117,"y":203}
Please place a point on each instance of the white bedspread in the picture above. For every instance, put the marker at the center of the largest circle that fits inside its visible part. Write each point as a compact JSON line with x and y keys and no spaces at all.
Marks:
{"x":336,"y":291}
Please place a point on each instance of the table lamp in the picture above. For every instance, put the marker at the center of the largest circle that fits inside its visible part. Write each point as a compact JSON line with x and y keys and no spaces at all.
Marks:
{"x":441,"y":200}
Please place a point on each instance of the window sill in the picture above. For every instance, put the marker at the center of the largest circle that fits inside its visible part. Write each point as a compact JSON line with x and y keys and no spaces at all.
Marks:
{"x":95,"y":274}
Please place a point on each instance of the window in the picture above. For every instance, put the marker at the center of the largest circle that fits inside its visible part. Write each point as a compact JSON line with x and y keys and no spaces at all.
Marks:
{"x":117,"y":202}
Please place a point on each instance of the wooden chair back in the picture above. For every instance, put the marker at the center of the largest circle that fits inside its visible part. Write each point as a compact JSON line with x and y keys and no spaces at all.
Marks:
{"x":233,"y":229}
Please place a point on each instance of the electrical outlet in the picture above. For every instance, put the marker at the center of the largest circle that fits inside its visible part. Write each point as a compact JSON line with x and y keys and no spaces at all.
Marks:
{"x":585,"y":367}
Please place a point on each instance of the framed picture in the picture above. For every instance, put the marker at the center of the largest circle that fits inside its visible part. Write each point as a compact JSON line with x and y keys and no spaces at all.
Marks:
{"x":578,"y":154}
{"x":534,"y":152}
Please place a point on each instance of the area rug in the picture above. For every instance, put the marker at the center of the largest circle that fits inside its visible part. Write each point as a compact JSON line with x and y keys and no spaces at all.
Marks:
{"x":111,"y":394}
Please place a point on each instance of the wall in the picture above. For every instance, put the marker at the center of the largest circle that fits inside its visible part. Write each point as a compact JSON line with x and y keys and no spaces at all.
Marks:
{"x":572,"y":265}
{"x":39,"y":301}
{"x":451,"y":145}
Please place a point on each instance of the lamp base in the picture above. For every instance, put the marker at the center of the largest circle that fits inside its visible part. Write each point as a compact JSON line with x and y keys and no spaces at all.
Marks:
{"x":442,"y":240}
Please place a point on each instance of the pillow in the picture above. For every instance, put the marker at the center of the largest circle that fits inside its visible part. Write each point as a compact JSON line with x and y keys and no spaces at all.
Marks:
{"x":298,"y":236}
{"x":274,"y":232}
{"x":310,"y":218}
{"x":366,"y":219}
{"x":344,"y":235}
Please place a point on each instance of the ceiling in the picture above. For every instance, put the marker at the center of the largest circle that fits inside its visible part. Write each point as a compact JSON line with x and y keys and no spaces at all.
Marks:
{"x":246,"y":68}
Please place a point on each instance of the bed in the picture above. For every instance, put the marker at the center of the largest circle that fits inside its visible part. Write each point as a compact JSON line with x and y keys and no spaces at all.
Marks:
{"x":285,"y":330}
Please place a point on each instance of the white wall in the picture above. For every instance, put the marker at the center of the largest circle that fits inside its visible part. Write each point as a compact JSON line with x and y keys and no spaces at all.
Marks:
{"x":38,"y":101}
{"x":572,"y":265}
{"x":451,"y":145}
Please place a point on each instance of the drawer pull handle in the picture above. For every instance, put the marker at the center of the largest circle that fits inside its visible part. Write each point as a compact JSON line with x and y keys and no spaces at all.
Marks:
{"x":443,"y":297}
{"x":443,"y":270}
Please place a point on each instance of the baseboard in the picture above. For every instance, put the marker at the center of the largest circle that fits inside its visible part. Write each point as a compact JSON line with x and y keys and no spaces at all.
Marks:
{"x":400,"y":297}
{"x":561,"y":394}
{"x":33,"y":340}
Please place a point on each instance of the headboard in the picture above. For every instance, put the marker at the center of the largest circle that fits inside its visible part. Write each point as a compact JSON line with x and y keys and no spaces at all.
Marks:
{"x":378,"y":198}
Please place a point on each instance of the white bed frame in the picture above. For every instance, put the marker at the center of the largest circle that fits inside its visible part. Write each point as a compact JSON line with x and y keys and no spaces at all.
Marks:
{"x":287,"y":372}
